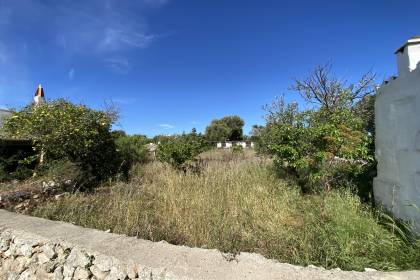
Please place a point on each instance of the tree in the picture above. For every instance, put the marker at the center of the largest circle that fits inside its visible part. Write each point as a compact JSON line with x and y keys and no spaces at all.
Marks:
{"x":217,"y":132}
{"x":325,"y":90}
{"x":256,"y":132}
{"x":328,"y":144}
{"x":194,"y":131}
{"x":365,"y":108}
{"x":227,"y":128}
{"x":63,"y":130}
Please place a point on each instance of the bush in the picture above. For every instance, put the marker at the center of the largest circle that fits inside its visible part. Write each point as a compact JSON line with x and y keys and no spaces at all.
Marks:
{"x":131,"y":150}
{"x":62,"y":130}
{"x":321,"y":149}
{"x":179,"y":149}
{"x":237,"y":149}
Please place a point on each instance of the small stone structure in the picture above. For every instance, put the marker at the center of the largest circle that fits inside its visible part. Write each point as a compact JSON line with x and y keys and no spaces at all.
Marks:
{"x":397,"y":121}
{"x":33,"y":248}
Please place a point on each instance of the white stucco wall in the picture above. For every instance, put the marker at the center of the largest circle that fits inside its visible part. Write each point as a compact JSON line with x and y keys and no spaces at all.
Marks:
{"x":397,"y":117}
{"x":408,"y":59}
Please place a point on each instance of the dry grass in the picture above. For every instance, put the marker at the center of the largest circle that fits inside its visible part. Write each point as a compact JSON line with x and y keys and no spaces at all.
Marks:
{"x":238,"y":204}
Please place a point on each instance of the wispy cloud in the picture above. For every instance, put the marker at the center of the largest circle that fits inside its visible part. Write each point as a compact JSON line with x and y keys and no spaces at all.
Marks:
{"x":115,"y":27}
{"x":166,"y":126}
{"x":95,"y":28}
{"x":119,"y":65}
{"x":121,"y":38}
{"x":71,"y":74}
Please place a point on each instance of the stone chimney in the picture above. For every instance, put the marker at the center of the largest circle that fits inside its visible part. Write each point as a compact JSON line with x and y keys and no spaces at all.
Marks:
{"x":408,"y":56}
{"x":39,"y":95}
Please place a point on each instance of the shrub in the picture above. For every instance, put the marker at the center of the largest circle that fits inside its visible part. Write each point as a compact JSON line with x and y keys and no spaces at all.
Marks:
{"x":320,"y":148}
{"x":307,"y":143}
{"x":131,"y":150}
{"x":62,"y":130}
{"x":237,"y":149}
{"x":179,"y":149}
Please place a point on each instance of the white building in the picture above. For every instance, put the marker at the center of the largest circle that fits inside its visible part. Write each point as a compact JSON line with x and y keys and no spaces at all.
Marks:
{"x":397,"y":118}
{"x":230,"y":144}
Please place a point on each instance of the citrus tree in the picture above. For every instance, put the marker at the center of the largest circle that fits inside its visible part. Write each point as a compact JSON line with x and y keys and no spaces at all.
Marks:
{"x":62,"y":130}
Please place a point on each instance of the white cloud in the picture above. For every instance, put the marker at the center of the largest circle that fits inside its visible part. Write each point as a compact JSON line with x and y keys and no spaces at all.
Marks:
{"x":166,"y":126}
{"x":119,"y":39}
{"x":101,"y":27}
{"x":71,"y":74}
{"x":97,"y":28}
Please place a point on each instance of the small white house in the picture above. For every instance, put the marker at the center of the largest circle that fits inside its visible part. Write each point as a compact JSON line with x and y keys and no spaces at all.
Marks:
{"x":397,"y":126}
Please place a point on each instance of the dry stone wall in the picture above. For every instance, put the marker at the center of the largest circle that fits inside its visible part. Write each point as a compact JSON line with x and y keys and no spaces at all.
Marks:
{"x":33,"y":248}
{"x":23,"y":257}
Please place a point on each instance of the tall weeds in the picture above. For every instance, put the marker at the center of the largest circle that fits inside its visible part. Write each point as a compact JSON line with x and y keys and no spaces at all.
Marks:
{"x":240,"y":205}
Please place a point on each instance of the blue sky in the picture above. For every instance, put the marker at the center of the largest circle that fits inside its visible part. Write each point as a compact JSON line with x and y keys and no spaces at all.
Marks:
{"x":170,"y":65}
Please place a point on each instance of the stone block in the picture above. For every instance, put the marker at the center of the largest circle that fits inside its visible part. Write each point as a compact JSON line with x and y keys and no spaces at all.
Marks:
{"x":81,"y":274}
{"x":78,"y":258}
{"x":49,"y":250}
{"x":104,"y":263}
{"x":98,"y":273}
{"x":58,"y":273}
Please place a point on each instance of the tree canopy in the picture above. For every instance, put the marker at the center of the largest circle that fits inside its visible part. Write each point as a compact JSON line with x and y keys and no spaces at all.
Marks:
{"x":62,"y":130}
{"x":229,"y":128}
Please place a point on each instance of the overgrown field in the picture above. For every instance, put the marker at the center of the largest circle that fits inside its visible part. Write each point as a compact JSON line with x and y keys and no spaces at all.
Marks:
{"x":236,"y":203}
